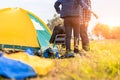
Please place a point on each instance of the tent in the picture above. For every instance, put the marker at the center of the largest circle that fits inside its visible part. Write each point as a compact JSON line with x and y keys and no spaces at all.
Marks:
{"x":21,"y":29}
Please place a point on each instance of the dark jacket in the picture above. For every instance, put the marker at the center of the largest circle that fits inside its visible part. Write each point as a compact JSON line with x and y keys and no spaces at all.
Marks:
{"x":69,"y":7}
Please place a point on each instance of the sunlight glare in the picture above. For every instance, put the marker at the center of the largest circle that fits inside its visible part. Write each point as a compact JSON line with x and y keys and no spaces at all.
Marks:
{"x":111,"y":23}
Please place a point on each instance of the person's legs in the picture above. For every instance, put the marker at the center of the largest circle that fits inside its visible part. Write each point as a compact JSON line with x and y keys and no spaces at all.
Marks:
{"x":76,"y":30}
{"x":76,"y":40}
{"x":84,"y":37}
{"x":69,"y":23}
{"x":68,"y":31}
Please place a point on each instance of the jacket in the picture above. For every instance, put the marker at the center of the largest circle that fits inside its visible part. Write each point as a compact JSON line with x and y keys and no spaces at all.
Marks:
{"x":70,"y":8}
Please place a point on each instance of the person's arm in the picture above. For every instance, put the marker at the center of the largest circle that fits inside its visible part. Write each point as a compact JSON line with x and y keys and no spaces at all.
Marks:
{"x":56,"y":6}
{"x":85,"y":6}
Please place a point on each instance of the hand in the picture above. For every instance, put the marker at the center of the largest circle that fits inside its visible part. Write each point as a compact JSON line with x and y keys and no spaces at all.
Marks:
{"x":96,"y":16}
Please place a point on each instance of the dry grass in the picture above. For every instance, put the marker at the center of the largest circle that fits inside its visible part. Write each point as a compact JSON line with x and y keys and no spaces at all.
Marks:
{"x":101,"y":63}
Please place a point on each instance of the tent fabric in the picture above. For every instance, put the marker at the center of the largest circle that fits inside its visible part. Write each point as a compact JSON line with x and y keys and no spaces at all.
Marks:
{"x":15,"y":69}
{"x":40,"y":65}
{"x":43,"y":33}
{"x":16,"y":28}
{"x":22,"y":29}
{"x":40,"y":21}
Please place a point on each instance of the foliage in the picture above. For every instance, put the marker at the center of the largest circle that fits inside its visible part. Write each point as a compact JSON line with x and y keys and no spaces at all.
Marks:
{"x":54,"y":22}
{"x":107,"y":31}
{"x":115,"y":33}
{"x":101,"y":29}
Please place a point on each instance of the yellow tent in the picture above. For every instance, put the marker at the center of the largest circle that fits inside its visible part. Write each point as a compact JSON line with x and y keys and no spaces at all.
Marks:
{"x":17,"y":29}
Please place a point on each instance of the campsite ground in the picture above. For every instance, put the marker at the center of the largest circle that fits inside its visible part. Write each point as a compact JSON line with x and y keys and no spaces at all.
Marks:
{"x":101,"y":63}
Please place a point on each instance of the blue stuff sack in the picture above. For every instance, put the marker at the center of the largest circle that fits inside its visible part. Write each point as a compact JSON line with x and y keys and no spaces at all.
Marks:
{"x":51,"y":53}
{"x":15,"y":69}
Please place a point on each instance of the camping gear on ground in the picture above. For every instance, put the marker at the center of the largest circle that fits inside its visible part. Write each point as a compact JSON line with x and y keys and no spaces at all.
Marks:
{"x":39,"y":53}
{"x":40,"y":65}
{"x":54,"y":53}
{"x":51,"y":53}
{"x":24,"y":34}
{"x":29,"y":51}
{"x":67,"y":55}
{"x":10,"y":51}
{"x":15,"y":69}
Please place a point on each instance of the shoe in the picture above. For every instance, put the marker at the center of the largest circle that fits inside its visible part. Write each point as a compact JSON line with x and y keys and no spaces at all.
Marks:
{"x":86,"y":47}
{"x":67,"y":55}
{"x":83,"y":52}
{"x":76,"y":50}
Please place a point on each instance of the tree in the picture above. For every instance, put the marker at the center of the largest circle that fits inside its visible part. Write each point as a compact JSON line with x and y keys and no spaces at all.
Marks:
{"x":102,"y":30}
{"x":106,"y":31}
{"x":115,"y":33}
{"x":54,"y":22}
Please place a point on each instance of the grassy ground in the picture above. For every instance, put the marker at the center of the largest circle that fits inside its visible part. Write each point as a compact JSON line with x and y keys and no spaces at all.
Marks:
{"x":101,"y":63}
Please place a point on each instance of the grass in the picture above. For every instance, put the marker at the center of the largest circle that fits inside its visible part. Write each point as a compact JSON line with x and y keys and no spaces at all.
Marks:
{"x":101,"y":63}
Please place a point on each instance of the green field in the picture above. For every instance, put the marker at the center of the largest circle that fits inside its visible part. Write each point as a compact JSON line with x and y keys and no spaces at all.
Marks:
{"x":101,"y":63}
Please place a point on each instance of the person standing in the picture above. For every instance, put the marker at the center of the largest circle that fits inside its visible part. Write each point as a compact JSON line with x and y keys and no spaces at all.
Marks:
{"x":70,"y":11}
{"x":86,"y":16}
{"x":85,"y":19}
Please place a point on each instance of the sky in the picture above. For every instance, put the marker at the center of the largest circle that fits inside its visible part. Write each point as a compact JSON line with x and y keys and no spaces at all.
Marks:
{"x":107,"y":10}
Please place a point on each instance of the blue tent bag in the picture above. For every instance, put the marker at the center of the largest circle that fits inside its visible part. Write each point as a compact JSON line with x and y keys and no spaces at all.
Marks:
{"x":15,"y":69}
{"x":29,"y":51}
{"x":51,"y":53}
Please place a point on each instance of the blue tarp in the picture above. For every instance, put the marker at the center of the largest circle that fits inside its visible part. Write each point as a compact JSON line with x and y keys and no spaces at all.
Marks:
{"x":15,"y":69}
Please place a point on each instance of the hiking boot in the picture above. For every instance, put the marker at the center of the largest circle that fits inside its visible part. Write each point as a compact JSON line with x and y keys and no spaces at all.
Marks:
{"x":86,"y":47}
{"x":83,"y":52}
{"x":76,"y":50}
{"x":68,"y":54}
